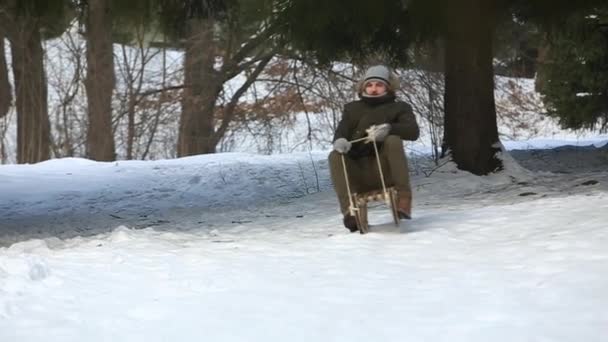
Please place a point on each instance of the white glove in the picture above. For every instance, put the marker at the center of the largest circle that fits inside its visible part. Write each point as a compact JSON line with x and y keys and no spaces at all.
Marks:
{"x":378,"y":132}
{"x":342,"y":145}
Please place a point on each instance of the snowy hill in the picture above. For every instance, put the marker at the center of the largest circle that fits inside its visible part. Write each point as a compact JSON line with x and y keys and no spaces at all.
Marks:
{"x":143,"y":192}
{"x":241,"y":247}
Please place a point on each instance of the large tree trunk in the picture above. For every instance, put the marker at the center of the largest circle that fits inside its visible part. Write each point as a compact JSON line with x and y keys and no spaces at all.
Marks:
{"x":470,"y":114}
{"x":33,"y":126}
{"x":5,"y":86}
{"x":202,"y":88}
{"x":100,"y":80}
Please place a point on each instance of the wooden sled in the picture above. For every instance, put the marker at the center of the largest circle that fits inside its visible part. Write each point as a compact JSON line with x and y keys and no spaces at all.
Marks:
{"x":360,"y":201}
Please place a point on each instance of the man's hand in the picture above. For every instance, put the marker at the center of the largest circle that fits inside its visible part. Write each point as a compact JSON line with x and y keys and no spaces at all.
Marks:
{"x":378,"y":132}
{"x":342,"y":145}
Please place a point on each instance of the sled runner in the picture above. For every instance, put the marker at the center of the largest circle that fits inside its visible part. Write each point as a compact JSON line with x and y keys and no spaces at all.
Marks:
{"x":358,"y":201}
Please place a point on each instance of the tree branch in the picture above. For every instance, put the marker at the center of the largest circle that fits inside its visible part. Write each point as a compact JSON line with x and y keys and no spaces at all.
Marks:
{"x":233,"y":65}
{"x":229,"y":111}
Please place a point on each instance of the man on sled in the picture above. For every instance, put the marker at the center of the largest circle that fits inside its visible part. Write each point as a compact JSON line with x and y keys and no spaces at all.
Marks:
{"x":376,"y":116}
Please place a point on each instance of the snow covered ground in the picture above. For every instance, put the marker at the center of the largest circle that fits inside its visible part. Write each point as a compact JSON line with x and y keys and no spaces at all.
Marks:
{"x":241,"y":247}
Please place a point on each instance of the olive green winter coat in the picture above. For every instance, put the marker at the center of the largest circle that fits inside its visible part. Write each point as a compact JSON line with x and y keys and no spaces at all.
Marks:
{"x":360,"y":115}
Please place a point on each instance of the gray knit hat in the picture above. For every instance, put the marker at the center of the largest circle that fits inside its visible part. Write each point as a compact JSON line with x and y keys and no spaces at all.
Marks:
{"x":377,"y":73}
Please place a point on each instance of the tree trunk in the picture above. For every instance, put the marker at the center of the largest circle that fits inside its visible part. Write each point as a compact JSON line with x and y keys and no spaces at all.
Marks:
{"x":5,"y":86}
{"x":100,"y":80}
{"x":542,"y":59}
{"x":202,"y":88}
{"x":130,"y":125}
{"x":470,"y":114}
{"x":33,"y":126}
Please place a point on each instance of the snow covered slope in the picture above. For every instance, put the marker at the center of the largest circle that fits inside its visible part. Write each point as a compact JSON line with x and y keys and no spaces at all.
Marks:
{"x":236,"y":247}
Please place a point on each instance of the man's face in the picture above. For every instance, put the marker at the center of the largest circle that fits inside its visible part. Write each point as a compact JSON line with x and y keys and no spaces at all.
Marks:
{"x":375,"y":88}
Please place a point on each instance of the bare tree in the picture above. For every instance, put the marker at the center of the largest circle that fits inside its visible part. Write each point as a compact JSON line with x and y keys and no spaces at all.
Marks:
{"x":144,"y":118}
{"x":161,"y":114}
{"x":300,"y":90}
{"x":66,"y":67}
{"x":132,"y":70}
{"x":423,"y":90}
{"x":520,"y":110}
{"x":281,"y":95}
{"x":142,"y":111}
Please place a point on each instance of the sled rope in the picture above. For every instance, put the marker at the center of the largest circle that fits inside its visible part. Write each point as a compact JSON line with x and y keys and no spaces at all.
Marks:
{"x":352,"y":208}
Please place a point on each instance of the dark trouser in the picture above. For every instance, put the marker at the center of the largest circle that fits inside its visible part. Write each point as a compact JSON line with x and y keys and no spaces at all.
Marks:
{"x":363,"y":173}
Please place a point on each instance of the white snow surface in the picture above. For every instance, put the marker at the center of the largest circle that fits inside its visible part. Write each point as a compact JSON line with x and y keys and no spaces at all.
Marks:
{"x":243,"y":247}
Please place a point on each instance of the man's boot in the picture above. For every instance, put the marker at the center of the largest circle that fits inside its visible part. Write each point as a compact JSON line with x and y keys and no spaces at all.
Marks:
{"x":404,"y":206}
{"x":350,"y":222}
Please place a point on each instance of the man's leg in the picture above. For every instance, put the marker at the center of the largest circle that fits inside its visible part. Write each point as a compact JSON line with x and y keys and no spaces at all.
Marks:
{"x":393,"y":155}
